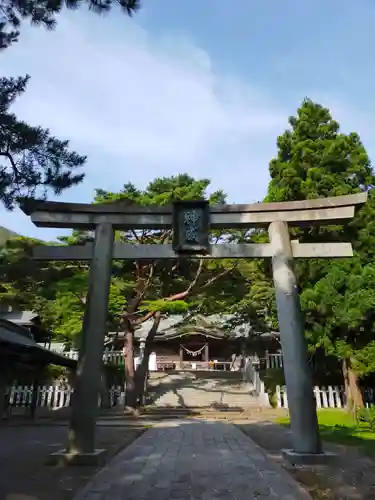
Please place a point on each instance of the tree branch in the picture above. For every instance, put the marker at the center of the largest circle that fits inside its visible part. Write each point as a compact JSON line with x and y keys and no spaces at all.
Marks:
{"x":147,"y":284}
{"x":6,"y":154}
{"x":185,"y":293}
{"x":140,"y":291}
{"x":137,"y":238}
{"x":144,"y":318}
{"x":81,"y":299}
{"x":166,"y":235}
{"x":155,"y":325}
{"x":176,"y":296}
{"x":218,"y":276}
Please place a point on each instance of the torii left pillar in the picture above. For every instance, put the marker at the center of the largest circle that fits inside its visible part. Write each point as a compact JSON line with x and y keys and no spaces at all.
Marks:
{"x":84,"y":411}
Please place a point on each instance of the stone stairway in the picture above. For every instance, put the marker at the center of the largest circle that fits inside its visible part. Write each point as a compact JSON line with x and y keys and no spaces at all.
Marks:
{"x":201,"y":389}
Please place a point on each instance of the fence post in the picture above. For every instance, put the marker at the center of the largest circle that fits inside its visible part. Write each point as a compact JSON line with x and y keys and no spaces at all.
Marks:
{"x":331,"y":399}
{"x":278,"y":397}
{"x":338,"y":397}
{"x":267,"y":359}
{"x":324,"y":397}
{"x":317,"y":397}
{"x":286,"y":403}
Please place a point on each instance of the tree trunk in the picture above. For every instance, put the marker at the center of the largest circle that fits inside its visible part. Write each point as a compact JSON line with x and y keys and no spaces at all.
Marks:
{"x":105,"y":401}
{"x":143,"y":281}
{"x":142,"y":369}
{"x":130,"y":394}
{"x":353,"y":393}
{"x":141,"y":378}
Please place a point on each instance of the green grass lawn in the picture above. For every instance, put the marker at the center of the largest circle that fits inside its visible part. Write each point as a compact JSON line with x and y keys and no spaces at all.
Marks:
{"x":338,"y":426}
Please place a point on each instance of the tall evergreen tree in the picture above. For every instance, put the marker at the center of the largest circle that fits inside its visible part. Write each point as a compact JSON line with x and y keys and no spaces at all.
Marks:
{"x":316,"y":160}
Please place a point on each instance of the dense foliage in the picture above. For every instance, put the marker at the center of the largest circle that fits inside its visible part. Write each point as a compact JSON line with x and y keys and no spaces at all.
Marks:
{"x":57,"y":290}
{"x":140,"y":290}
{"x":337,"y":297}
{"x":316,"y":160}
{"x":44,"y":13}
{"x":32,"y":161}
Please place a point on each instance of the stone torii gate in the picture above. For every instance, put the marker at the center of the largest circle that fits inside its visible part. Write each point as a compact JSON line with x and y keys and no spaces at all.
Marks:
{"x":276,"y":217}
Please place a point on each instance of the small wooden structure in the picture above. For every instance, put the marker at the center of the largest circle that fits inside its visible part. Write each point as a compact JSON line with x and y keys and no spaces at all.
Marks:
{"x":20,"y":354}
{"x":28,"y":320}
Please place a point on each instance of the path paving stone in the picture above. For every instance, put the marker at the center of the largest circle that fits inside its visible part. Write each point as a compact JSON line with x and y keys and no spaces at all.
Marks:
{"x":192,"y":460}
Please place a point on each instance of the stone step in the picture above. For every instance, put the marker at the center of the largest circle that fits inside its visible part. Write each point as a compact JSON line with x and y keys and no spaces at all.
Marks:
{"x":205,"y":404}
{"x":194,"y":404}
{"x":201,"y":389}
{"x":205,"y":374}
{"x":155,"y":411}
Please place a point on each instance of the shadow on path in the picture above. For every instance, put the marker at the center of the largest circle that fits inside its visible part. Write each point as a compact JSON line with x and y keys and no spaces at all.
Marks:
{"x":193,"y":460}
{"x":175,"y":383}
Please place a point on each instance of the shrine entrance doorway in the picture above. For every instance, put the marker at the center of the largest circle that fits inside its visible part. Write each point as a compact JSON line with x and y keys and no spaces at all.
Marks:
{"x":194,"y":351}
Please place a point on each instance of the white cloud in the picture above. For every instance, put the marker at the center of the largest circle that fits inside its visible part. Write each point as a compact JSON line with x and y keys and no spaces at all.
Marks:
{"x":143,"y":106}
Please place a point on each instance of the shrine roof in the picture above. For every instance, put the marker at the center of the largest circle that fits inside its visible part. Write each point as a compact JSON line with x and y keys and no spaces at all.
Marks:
{"x":22,"y":341}
{"x":23,"y":318}
{"x":214,"y":326}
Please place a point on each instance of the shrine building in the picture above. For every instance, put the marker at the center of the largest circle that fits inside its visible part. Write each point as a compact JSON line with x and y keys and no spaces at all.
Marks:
{"x":199,"y":343}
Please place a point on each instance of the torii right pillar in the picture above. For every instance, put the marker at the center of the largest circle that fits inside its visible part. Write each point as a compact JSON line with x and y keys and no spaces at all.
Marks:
{"x":298,"y":378}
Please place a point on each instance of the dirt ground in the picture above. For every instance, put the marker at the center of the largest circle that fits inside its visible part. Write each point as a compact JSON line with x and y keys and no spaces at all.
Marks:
{"x":23,"y":452}
{"x":350,"y":477}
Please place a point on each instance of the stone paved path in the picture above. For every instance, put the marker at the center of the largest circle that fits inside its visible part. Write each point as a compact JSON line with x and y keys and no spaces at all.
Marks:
{"x":192,"y":460}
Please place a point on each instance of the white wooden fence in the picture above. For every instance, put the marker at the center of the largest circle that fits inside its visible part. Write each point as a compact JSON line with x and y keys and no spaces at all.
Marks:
{"x":52,"y":397}
{"x":116,"y":358}
{"x":274,"y":361}
{"x":326,"y":397}
{"x":113,"y":357}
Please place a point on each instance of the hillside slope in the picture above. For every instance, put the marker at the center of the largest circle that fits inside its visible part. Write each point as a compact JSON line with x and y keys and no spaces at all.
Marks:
{"x":5,"y":235}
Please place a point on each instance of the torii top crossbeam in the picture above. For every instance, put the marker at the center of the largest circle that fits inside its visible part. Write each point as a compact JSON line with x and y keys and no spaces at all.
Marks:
{"x":124,"y":214}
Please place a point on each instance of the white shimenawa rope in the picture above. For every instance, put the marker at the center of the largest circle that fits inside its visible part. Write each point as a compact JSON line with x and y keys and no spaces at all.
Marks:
{"x":193,"y":353}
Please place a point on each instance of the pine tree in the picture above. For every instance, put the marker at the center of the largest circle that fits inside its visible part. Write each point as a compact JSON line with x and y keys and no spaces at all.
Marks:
{"x":44,"y":12}
{"x":32,"y":161}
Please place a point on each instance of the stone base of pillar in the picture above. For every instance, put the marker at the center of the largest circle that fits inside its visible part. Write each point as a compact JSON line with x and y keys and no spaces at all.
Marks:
{"x":295,"y":458}
{"x":63,"y":458}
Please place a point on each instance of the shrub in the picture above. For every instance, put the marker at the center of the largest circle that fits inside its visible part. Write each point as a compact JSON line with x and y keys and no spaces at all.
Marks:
{"x":366,"y":415}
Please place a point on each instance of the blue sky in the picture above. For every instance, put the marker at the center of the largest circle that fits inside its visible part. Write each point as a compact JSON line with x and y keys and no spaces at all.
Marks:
{"x":192,"y":86}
